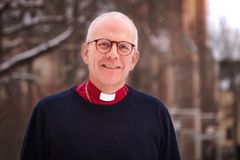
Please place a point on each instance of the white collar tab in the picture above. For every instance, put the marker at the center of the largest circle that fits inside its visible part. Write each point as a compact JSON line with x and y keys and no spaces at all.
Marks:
{"x":107,"y":97}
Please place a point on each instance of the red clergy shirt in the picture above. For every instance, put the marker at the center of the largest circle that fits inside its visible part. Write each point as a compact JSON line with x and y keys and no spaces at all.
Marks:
{"x":91,"y":93}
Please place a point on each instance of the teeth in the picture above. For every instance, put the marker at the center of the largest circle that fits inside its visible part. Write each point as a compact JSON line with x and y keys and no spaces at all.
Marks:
{"x":110,"y":66}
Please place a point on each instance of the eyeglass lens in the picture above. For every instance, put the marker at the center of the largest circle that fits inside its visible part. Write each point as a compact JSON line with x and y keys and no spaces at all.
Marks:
{"x":104,"y":46}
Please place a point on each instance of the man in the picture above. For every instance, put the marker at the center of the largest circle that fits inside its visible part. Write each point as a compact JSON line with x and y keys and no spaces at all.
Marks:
{"x":103,"y":118}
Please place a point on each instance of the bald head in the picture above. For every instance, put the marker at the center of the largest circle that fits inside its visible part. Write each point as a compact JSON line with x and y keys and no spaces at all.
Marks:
{"x":120,"y":18}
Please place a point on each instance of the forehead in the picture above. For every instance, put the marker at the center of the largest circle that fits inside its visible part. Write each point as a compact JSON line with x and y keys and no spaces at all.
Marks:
{"x":114,"y":27}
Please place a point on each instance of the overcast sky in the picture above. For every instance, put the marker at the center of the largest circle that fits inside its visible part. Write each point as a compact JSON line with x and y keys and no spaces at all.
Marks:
{"x":230,"y":9}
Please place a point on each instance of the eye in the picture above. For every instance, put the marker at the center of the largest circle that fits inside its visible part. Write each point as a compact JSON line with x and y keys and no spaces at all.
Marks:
{"x":103,"y":44}
{"x":124,"y":47}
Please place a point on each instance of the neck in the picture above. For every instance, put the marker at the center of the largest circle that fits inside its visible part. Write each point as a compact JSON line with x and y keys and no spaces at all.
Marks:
{"x":108,"y":89}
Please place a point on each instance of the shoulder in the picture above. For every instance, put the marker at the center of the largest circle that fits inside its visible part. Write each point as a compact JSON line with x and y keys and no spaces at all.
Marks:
{"x":150,"y":107}
{"x":56,"y":99}
{"x":144,"y":99}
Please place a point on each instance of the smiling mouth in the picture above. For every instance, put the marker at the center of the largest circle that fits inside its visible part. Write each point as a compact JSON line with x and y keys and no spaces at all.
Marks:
{"x":111,"y":66}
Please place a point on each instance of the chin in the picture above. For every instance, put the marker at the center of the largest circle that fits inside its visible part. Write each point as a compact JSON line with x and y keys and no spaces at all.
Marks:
{"x":112,"y":82}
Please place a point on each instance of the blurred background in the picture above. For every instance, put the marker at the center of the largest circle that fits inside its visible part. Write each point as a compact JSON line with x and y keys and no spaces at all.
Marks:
{"x":190,"y":58}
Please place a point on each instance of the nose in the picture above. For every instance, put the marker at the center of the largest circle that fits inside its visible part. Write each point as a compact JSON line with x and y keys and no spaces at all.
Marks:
{"x":113,"y":53}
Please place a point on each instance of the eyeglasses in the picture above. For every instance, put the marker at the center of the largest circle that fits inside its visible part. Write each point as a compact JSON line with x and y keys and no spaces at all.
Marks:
{"x":104,"y":46}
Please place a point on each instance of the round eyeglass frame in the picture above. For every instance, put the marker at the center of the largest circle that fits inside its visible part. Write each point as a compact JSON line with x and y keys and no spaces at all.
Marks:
{"x":111,"y":42}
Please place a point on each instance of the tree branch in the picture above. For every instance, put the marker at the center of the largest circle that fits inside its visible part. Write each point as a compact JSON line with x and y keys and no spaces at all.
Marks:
{"x":34,"y":21}
{"x":27,"y":4}
{"x":27,"y":55}
{"x":20,"y":3}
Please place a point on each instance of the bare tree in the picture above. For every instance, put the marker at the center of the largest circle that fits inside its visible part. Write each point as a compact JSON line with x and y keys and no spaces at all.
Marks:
{"x":27,"y":30}
{"x":225,"y":43}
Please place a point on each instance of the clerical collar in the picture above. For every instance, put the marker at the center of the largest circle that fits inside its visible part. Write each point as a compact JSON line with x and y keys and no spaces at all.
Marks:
{"x":92,"y":94}
{"x":107,"y":97}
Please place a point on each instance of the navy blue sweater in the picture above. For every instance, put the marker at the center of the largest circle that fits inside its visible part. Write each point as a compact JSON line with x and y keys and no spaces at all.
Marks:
{"x":66,"y":127}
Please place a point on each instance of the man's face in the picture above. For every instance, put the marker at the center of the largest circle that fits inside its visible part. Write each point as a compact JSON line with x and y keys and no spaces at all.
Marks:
{"x":109,"y":71}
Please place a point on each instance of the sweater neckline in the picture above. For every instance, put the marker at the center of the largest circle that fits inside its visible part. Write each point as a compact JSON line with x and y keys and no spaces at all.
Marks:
{"x":91,"y":93}
{"x":89,"y":105}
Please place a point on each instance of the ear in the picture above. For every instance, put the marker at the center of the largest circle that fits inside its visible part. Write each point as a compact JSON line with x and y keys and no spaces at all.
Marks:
{"x":84,"y":53}
{"x":135,"y":59}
